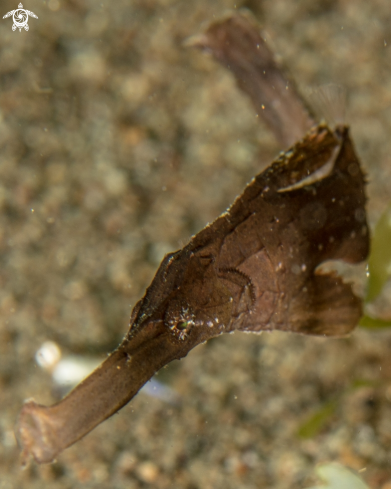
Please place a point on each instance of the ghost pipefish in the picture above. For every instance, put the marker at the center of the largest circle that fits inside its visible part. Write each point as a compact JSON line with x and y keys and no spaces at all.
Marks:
{"x":252,"y":269}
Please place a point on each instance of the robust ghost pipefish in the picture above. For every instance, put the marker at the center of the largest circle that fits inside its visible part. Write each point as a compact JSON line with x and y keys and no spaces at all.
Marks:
{"x":252,"y":269}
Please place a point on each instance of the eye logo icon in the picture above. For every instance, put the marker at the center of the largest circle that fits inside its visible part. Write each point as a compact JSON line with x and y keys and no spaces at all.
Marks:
{"x":20,"y":17}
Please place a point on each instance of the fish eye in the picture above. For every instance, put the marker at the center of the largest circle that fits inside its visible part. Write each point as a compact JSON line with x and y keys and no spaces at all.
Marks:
{"x":179,"y":320}
{"x":183,"y":325}
{"x":181,"y":329}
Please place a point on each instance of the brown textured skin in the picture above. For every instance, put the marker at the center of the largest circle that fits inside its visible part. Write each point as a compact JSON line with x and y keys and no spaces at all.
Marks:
{"x":253,"y":269}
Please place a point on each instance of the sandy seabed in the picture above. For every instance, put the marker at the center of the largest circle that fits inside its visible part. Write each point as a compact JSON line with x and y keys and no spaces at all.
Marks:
{"x":116,"y":145}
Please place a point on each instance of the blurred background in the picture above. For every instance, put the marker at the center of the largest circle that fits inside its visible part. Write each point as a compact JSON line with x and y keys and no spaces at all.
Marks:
{"x":117,"y":144}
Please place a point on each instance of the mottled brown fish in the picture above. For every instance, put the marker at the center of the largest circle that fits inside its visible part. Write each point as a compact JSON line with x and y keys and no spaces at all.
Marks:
{"x":253,"y":269}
